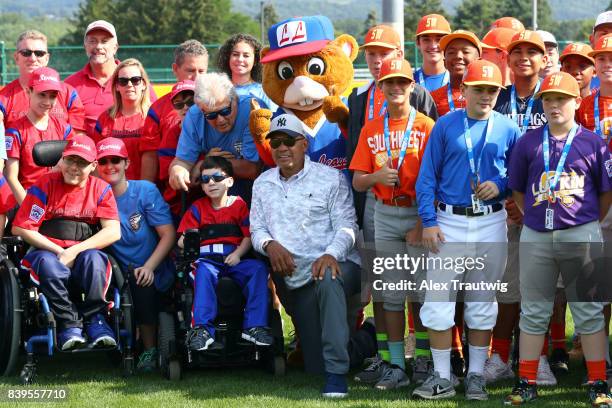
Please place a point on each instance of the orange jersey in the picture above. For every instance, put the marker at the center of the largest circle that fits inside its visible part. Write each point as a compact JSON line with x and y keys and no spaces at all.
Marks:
{"x":440,"y":97}
{"x":586,"y":115}
{"x":371,"y":152}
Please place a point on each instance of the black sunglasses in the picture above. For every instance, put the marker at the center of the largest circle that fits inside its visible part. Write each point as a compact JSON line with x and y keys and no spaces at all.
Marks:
{"x":223,"y":112}
{"x":181,"y":104}
{"x":287,"y":141}
{"x":114,"y":160}
{"x":217,"y":178}
{"x":135,"y":80}
{"x":28,"y":53}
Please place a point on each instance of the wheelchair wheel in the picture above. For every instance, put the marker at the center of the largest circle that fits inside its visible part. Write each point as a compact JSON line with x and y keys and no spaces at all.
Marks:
{"x":280,"y":366}
{"x":174,"y":370}
{"x":10,"y":317}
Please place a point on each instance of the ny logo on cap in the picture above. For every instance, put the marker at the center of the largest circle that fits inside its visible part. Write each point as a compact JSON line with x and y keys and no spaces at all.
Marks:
{"x":487,"y":72}
{"x":281,"y":122}
{"x":291,"y":32}
{"x":555,"y":80}
{"x":431,"y":22}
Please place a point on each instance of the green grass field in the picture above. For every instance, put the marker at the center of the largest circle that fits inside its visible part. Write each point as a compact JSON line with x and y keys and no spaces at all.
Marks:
{"x":93,"y":382}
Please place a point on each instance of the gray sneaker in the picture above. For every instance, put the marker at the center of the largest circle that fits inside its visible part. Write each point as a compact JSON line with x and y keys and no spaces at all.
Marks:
{"x":475,"y":387}
{"x":435,"y":388}
{"x":373,"y":372}
{"x":393,"y":377}
{"x":422,"y":368}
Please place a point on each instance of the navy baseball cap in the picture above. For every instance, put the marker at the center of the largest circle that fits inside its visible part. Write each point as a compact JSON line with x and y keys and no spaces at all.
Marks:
{"x":298,"y":36}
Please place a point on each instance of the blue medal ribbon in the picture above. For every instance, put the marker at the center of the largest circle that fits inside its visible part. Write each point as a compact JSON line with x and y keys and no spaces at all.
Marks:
{"x":546,"y":153}
{"x":596,"y":114}
{"x":475,"y":167}
{"x":371,"y":103}
{"x":449,"y":96}
{"x":527,"y":116}
{"x":405,"y":140}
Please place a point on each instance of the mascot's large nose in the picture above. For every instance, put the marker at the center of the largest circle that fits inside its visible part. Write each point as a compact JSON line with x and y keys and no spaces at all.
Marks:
{"x":303,"y":91}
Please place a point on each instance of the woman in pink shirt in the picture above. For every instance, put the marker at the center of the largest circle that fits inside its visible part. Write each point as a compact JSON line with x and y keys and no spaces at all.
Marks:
{"x":125,"y":118}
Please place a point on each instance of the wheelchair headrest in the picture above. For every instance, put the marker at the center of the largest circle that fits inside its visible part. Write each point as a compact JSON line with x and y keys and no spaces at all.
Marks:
{"x":48,"y":152}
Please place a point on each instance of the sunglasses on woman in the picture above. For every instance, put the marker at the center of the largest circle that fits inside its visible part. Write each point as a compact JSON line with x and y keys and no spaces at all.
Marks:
{"x":223,"y":112}
{"x":287,"y":141}
{"x":217,"y":178}
{"x":135,"y":80}
{"x":178,"y":105}
{"x":28,"y":53}
{"x":105,"y":160}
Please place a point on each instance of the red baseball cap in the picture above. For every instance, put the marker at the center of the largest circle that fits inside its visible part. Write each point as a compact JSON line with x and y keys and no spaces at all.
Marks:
{"x":483,"y":72}
{"x":82,"y":146}
{"x":560,"y":82}
{"x":382,"y":35}
{"x":111,"y":146}
{"x":463,"y":35}
{"x":528,"y":37}
{"x":580,"y":49}
{"x":509,"y":22}
{"x":604,"y":44}
{"x":433,"y":24}
{"x":396,"y":67}
{"x":498,"y":38}
{"x":45,"y":79}
{"x":182,"y":86}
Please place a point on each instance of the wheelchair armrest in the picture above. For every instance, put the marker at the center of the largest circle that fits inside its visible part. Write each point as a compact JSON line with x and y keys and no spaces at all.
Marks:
{"x":12,"y":240}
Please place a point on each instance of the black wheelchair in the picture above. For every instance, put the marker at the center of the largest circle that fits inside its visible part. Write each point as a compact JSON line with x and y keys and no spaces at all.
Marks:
{"x":175,"y":322}
{"x":25,"y":316}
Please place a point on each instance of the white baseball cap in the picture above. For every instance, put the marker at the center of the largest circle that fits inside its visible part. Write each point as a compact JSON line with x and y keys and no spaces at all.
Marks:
{"x":286,"y":124}
{"x":101,"y":25}
{"x":547,"y":37}
{"x":603,"y":18}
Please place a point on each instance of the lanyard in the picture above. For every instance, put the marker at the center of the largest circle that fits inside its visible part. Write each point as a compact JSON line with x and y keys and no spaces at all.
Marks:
{"x":546,"y":154}
{"x":371,"y":104}
{"x":421,"y":76}
{"x":596,"y":114}
{"x":449,"y":96}
{"x":405,"y":140}
{"x":475,"y":167}
{"x":527,"y":116}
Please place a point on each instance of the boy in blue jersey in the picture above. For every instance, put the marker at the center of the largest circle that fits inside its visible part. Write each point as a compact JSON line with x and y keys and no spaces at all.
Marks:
{"x":476,"y":142}
{"x":147,"y":236}
{"x":430,"y":30}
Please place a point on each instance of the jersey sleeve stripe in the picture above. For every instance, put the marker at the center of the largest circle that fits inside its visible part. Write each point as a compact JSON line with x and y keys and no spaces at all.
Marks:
{"x":2,"y":109}
{"x":153,"y":115}
{"x":38,"y":193}
{"x":166,"y":152}
{"x":67,"y":131}
{"x":108,"y":187}
{"x":196,"y":213}
{"x":73,"y":96}
{"x":14,"y":132}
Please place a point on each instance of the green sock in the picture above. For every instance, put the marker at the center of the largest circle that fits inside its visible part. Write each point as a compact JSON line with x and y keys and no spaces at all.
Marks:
{"x":396,"y":348}
{"x":422,"y":344}
{"x":383,"y":347}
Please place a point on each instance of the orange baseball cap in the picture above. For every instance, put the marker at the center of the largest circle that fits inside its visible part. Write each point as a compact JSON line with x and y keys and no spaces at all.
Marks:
{"x":508,"y":22}
{"x":560,"y":82}
{"x":483,"y":72}
{"x":498,"y":38}
{"x":433,"y":24}
{"x":579,"y":49}
{"x":396,"y":67}
{"x":528,"y":37}
{"x":461,"y":34}
{"x":382,"y":36}
{"x":604,"y":44}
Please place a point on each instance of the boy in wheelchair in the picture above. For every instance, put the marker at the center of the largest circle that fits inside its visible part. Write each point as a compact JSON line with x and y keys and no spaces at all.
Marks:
{"x":67,"y":217}
{"x":223,"y":222}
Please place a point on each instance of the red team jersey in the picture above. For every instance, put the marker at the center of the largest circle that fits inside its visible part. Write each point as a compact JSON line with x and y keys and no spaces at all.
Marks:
{"x":14,"y":104}
{"x":202,"y":213}
{"x":51,"y":198}
{"x":440,"y":97}
{"x":22,"y":135}
{"x":586,"y":116}
{"x":126,"y":128}
{"x":7,"y":200}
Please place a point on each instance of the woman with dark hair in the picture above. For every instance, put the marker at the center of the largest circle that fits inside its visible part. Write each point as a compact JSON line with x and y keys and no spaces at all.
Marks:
{"x":239,"y":58}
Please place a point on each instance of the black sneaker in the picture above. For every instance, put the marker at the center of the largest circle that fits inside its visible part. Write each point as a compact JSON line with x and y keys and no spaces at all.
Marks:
{"x":258,"y":335}
{"x":599,"y":394}
{"x":559,"y":362}
{"x":457,"y":364}
{"x":199,"y":339}
{"x":522,"y":393}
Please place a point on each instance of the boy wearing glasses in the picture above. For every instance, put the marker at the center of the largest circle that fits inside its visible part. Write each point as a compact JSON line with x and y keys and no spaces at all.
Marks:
{"x":32,"y":54}
{"x":68,"y":216}
{"x":38,"y":125}
{"x":223,"y":222}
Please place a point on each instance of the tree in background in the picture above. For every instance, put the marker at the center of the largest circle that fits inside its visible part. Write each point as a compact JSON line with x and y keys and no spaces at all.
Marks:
{"x":415,"y":9}
{"x":370,"y":21}
{"x":476,"y":16}
{"x":270,"y":17}
{"x":14,"y":24}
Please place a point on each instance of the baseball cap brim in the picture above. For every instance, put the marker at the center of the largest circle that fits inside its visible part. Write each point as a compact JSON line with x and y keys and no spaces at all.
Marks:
{"x":75,"y":152}
{"x":287,"y":132}
{"x":594,"y":53}
{"x":518,"y":42}
{"x":47,"y":86}
{"x":111,"y":153}
{"x":433,"y":32}
{"x":481,"y":82}
{"x":378,"y":44}
{"x":395,"y":75}
{"x":294,"y":50}
{"x":559,"y":91}
{"x":447,"y":39}
{"x":586,"y":57}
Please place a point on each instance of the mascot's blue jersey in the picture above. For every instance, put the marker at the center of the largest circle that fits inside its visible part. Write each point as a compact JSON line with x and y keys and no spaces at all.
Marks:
{"x":326,"y":144}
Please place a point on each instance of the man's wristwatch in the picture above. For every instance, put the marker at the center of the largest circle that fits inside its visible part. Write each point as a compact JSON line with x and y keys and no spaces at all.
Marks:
{"x":266,"y":244}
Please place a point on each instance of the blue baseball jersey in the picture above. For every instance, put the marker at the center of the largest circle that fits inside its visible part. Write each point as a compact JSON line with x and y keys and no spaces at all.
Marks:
{"x":445,"y":170}
{"x":430,"y":82}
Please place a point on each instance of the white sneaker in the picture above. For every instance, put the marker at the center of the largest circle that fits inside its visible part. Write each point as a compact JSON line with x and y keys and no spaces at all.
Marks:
{"x":496,"y":370}
{"x":545,"y":374}
{"x":409,"y":346}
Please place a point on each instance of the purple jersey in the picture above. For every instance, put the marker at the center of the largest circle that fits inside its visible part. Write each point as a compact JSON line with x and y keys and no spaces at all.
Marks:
{"x":587,"y":173}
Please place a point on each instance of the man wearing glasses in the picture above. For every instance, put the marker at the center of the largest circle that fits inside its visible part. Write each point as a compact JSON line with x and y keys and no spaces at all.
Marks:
{"x":303,"y":219}
{"x":218,"y":125}
{"x":30,"y":55}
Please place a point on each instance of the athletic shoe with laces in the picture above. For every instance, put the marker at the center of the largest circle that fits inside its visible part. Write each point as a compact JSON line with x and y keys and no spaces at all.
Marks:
{"x":335,"y":386}
{"x":99,"y":332}
{"x":435,"y":388}
{"x":545,"y":376}
{"x":70,"y":338}
{"x":199,"y":339}
{"x":422,"y":368}
{"x":599,"y":394}
{"x":393,"y":377}
{"x":148,"y":360}
{"x":259,"y":336}
{"x":457,"y":364}
{"x":559,"y":361}
{"x":475,"y":387}
{"x":373,"y":372}
{"x":496,"y":370}
{"x":522,"y":393}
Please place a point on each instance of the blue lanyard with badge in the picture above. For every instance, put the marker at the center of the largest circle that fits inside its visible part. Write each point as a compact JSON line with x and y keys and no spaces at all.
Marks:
{"x":449,"y":96}
{"x":596,"y":117}
{"x":405,"y":140}
{"x":421,"y":76}
{"x":527,"y":116}
{"x":371,"y":104}
{"x":548,"y":223}
{"x":477,"y":204}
